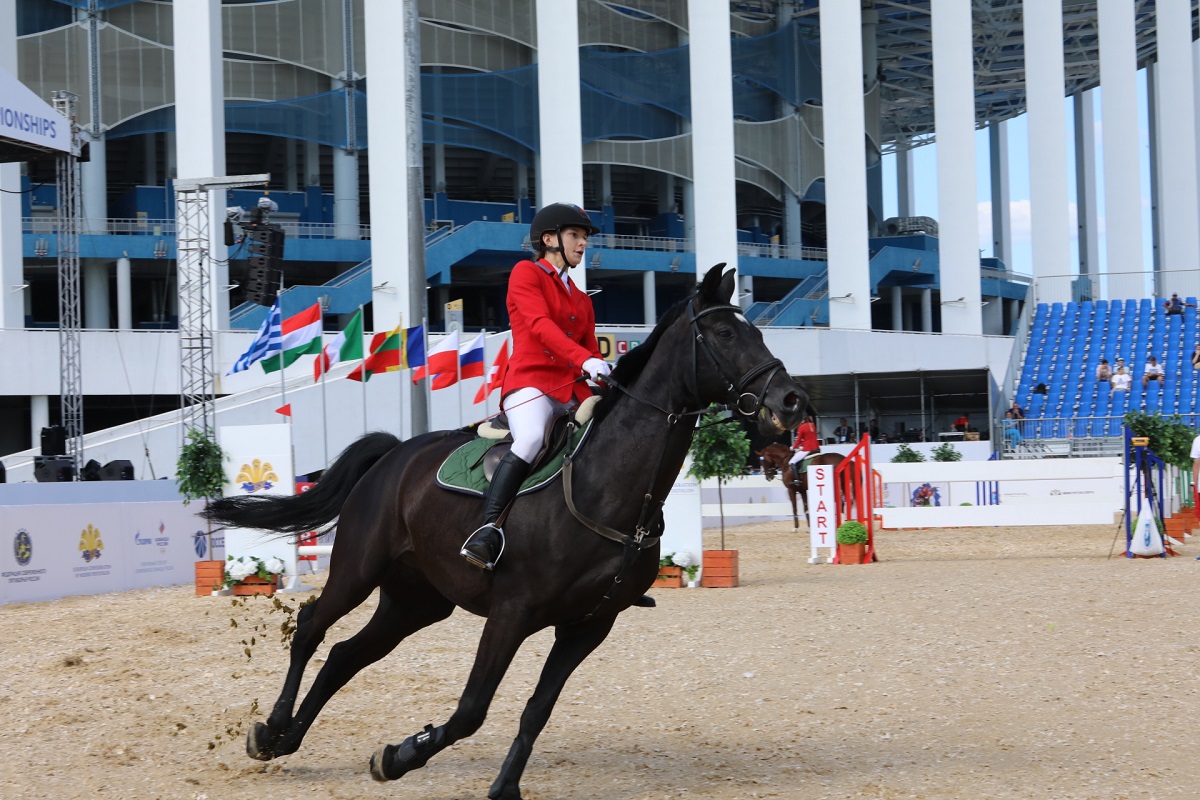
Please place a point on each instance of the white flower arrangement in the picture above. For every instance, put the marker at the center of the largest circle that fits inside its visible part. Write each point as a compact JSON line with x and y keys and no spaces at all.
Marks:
{"x":687,"y":559}
{"x":242,"y":567}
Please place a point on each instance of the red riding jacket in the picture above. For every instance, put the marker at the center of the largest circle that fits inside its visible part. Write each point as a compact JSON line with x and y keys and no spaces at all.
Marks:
{"x":553,"y":330}
{"x":806,"y":437}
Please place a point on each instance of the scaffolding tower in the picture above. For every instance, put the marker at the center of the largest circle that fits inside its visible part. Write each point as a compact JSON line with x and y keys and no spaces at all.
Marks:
{"x":68,"y":223}
{"x":194,"y":264}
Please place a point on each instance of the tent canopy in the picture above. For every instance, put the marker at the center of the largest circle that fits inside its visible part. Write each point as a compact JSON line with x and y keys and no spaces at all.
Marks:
{"x":29,"y":126}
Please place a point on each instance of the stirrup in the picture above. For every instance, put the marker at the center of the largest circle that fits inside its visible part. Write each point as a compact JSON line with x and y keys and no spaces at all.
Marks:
{"x":477,"y":559}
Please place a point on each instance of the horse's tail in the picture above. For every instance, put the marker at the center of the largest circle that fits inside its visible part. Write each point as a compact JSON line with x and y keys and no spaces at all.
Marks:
{"x":311,"y":510}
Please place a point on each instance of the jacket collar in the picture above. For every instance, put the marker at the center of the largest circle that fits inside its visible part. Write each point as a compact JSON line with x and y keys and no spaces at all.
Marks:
{"x":553,"y":271}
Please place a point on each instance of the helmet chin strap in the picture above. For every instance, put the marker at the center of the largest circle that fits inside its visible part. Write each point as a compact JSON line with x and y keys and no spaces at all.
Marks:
{"x":560,"y":249}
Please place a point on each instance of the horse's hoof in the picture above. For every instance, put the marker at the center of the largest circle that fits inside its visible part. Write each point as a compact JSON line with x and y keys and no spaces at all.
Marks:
{"x":378,"y":758}
{"x":257,"y":743}
{"x":392,"y":761}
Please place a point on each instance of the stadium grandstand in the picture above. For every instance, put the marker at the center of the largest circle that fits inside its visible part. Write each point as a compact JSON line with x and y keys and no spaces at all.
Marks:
{"x":764,"y":134}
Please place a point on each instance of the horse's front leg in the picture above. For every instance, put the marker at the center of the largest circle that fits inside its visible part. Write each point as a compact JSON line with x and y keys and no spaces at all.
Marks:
{"x":502,"y":637}
{"x":572,"y":644}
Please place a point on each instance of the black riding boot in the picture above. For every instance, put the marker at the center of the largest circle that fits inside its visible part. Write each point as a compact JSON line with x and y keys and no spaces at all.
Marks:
{"x":484,"y":546}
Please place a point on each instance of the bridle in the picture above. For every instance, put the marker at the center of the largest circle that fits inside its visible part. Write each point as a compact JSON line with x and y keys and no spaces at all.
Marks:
{"x":743,"y":401}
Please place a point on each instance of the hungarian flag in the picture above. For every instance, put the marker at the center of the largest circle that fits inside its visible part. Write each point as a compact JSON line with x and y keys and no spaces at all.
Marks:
{"x":301,"y":336}
{"x":495,"y":375}
{"x":441,"y":362}
{"x":470,"y":359}
{"x":346,"y":346}
{"x":387,"y":355}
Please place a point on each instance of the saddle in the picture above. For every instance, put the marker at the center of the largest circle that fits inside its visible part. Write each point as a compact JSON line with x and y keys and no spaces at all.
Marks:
{"x":470,"y":467}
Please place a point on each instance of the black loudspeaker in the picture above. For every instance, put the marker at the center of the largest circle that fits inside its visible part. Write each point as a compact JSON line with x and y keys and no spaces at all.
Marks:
{"x":2,"y":478}
{"x":53,"y":469}
{"x":265,"y":243}
{"x":120,"y":470}
{"x":90,"y":471}
{"x":54,"y":440}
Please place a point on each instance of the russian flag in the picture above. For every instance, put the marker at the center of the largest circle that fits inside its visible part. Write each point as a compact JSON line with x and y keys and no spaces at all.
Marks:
{"x":470,"y":359}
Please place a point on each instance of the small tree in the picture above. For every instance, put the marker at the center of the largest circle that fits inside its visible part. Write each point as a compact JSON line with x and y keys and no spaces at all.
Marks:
{"x":945,"y":452}
{"x":200,"y":472}
{"x":718,"y":451}
{"x":906,"y":455}
{"x":1170,"y":437}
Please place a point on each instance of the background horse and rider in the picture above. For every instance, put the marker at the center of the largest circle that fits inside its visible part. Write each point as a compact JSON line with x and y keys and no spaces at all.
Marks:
{"x":579,"y":551}
{"x":775,"y":459}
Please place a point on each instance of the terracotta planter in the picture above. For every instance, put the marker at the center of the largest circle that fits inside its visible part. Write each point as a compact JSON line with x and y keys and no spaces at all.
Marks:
{"x":720,"y":569}
{"x":852,"y":553}
{"x":669,"y":578}
{"x":255,"y":585}
{"x":209,"y":576}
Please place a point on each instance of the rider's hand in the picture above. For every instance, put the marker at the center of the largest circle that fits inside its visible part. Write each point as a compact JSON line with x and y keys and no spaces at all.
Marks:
{"x":596,"y":368}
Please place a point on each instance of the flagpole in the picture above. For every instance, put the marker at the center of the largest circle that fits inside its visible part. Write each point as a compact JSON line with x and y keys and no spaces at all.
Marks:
{"x":323,"y":300}
{"x":428,"y":379}
{"x":458,"y":379}
{"x":362,"y":367}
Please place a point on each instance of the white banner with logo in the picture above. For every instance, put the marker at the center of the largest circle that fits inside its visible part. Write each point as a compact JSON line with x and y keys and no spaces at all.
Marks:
{"x":27,"y":118}
{"x":260,"y":463}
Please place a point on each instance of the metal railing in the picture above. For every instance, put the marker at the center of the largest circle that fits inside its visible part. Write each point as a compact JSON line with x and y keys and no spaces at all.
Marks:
{"x":166,"y":227}
{"x":1073,"y":437}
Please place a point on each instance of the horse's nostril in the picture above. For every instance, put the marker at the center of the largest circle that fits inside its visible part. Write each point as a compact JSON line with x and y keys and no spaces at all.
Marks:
{"x":791,"y":403}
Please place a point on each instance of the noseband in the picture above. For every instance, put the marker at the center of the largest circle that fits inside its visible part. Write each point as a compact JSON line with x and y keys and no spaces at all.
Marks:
{"x":744,"y":402}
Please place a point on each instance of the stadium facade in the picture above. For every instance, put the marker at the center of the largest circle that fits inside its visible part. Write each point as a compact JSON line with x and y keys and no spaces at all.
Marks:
{"x":765,"y":152}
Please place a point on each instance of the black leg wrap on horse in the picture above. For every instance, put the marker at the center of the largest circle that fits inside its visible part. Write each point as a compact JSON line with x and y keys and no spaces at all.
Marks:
{"x":395,"y":760}
{"x":484,"y":546}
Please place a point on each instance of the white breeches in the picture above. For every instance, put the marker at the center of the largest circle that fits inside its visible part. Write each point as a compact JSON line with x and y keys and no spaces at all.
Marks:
{"x":528,"y":412}
{"x":797,"y":456}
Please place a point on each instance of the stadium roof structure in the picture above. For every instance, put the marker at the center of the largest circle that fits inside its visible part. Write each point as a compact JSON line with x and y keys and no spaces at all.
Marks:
{"x":905,"y":59}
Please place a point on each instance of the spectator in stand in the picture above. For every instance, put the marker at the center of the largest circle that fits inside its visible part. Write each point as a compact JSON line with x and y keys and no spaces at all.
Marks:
{"x":1175,"y":305}
{"x":843,"y":433}
{"x":1016,"y":411}
{"x":873,"y":431}
{"x":1196,"y":358}
{"x":1104,"y":372}
{"x":1121,"y":380}
{"x":1011,"y":434}
{"x":1154,"y":372}
{"x":961,"y":424}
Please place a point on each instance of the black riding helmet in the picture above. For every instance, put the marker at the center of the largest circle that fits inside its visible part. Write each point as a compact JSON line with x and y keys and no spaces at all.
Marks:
{"x":555,"y":217}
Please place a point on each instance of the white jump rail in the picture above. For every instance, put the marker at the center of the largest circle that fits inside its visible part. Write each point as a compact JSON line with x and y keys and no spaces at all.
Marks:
{"x":1093,"y":508}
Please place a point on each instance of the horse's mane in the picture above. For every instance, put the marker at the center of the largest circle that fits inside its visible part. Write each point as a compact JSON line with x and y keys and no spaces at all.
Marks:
{"x":630,"y":366}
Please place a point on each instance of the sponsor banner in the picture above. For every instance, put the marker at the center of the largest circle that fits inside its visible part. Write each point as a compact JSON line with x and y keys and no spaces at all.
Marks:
{"x":612,"y":346}
{"x":822,"y":509}
{"x":681,"y":515}
{"x":261,"y":459}
{"x":90,"y":548}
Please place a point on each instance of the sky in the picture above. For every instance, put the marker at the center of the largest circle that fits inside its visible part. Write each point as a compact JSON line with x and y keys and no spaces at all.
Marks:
{"x":925,"y":172}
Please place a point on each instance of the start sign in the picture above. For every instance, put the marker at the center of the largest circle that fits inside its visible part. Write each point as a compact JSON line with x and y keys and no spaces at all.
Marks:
{"x":822,"y":509}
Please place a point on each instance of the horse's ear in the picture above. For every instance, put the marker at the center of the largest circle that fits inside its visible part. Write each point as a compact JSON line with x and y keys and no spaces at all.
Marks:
{"x":717,"y":286}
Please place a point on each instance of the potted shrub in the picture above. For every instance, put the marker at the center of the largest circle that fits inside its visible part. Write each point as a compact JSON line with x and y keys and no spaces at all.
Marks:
{"x":906,"y":455}
{"x":670,"y":574}
{"x":200,"y":475}
{"x":719,"y":451}
{"x":248,"y":575}
{"x":852,"y":542}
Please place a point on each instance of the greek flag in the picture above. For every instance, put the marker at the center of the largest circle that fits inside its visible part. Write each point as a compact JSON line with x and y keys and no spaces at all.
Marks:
{"x":269,"y":341}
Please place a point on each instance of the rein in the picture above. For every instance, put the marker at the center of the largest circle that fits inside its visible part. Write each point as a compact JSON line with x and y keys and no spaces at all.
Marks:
{"x":743,"y":402}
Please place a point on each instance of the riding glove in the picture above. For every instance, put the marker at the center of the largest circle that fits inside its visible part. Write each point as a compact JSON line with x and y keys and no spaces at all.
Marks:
{"x":596,"y":368}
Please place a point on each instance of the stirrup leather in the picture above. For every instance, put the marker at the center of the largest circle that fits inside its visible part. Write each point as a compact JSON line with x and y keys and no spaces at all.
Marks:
{"x":474,"y":559}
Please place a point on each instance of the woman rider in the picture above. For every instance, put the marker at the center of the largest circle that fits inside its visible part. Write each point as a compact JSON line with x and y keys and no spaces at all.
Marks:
{"x":554,"y":345}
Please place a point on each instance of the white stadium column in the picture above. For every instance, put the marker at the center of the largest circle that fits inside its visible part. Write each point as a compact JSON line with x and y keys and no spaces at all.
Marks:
{"x":1001,"y":213}
{"x":845,"y":165}
{"x":93,"y":184}
{"x":387,"y":163}
{"x":713,"y":180}
{"x":124,"y":295}
{"x":1048,"y":198}
{"x":1122,"y":149}
{"x":560,"y":131}
{"x":1177,"y":148}
{"x":906,"y":188}
{"x":200,"y":127}
{"x":345,"y":187}
{"x":649,"y":298}
{"x":954,"y":122}
{"x":12,"y":271}
{"x":1085,"y":186}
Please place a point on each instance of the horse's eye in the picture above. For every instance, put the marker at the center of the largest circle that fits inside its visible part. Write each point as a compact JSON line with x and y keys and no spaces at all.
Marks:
{"x":725,"y":333}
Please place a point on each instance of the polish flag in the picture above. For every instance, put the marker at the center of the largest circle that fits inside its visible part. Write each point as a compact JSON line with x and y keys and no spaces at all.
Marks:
{"x":441,"y":362}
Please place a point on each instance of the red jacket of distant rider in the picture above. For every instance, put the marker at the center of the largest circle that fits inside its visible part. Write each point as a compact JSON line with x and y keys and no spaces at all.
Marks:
{"x":553,"y":331}
{"x":806,"y":437}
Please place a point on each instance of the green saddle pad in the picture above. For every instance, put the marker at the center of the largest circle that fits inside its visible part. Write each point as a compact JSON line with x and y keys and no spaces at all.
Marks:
{"x":462,"y":471}
{"x":804,"y":462}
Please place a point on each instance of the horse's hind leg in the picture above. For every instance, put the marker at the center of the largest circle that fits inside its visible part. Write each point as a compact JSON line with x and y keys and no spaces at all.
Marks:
{"x":502,"y":637}
{"x":572,"y":644}
{"x":401,"y":612}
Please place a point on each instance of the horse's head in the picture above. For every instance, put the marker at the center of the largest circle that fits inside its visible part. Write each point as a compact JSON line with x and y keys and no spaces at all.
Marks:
{"x":732,"y":364}
{"x":769,"y":468}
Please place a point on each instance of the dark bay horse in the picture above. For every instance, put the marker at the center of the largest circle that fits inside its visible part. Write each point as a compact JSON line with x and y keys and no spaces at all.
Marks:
{"x":775,"y":458}
{"x":399,"y":532}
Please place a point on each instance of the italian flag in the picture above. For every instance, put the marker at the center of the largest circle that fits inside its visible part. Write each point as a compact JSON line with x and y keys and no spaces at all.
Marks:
{"x":301,"y":336}
{"x":346,"y":346}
